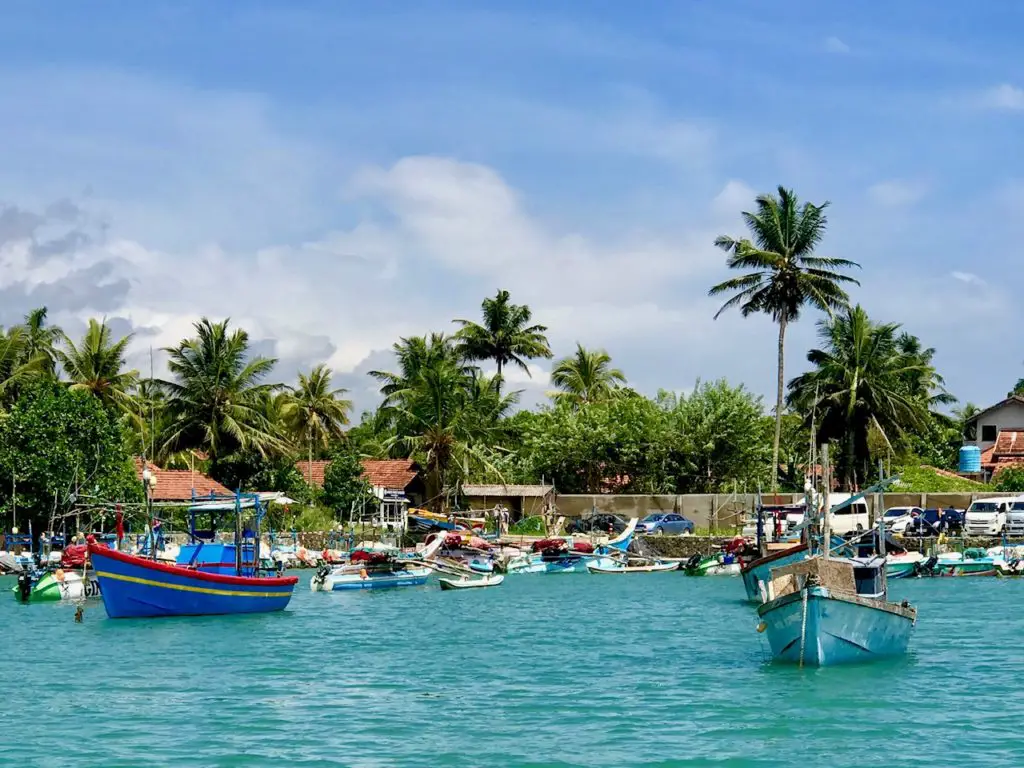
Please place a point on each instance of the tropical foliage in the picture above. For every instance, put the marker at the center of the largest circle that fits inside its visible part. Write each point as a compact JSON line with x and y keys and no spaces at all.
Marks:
{"x":96,"y":365}
{"x":586,"y":377}
{"x":783,"y":274}
{"x":506,"y":336}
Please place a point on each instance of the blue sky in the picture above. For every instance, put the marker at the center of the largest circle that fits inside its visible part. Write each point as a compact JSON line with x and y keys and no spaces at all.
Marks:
{"x":335,"y":175}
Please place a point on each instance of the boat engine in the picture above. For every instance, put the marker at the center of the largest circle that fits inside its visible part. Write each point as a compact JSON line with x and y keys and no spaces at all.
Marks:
{"x":24,"y":586}
{"x":927,"y":568}
{"x":322,"y":572}
{"x":693,"y":562}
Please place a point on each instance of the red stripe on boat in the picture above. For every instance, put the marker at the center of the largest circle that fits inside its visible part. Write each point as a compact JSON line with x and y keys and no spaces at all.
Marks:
{"x":773,"y":557}
{"x":191,"y":573}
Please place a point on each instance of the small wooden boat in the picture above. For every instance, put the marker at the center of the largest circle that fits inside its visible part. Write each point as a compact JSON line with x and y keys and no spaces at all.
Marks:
{"x":822,"y":612}
{"x":606,"y":566}
{"x":467,"y":583}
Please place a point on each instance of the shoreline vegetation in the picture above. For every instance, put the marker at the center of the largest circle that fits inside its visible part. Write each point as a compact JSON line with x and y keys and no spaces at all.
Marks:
{"x":73,"y":415}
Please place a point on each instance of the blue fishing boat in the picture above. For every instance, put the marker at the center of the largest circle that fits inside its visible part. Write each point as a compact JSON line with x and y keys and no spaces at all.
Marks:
{"x":209,"y":577}
{"x":137,"y":587}
{"x":823,"y":612}
{"x":370,"y":570}
{"x":757,"y":573}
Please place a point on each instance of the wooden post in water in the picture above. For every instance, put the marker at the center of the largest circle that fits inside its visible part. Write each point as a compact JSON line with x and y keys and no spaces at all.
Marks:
{"x":238,"y":534}
{"x":826,"y":475}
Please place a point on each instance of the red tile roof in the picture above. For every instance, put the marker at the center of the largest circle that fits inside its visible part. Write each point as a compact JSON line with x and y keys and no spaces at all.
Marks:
{"x":1008,"y":450}
{"x":178,"y":484}
{"x":394,"y":474}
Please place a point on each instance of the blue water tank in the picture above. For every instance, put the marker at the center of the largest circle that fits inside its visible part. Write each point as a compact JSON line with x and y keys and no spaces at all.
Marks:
{"x":970,"y":459}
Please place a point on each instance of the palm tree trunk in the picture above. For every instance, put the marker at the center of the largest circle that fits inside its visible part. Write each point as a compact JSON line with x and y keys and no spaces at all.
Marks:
{"x":499,"y":376}
{"x":778,"y":405}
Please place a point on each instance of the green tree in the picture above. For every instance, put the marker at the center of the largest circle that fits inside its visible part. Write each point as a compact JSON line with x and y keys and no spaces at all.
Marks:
{"x":784,"y":275}
{"x":1010,"y":480}
{"x":96,"y":365}
{"x":16,"y":367}
{"x":42,"y":341}
{"x":58,"y":445}
{"x":592,"y":446}
{"x":1018,"y":388}
{"x":443,"y":412}
{"x":505,"y":336}
{"x":218,"y":400}
{"x":859,"y":383}
{"x":345,"y":488}
{"x":586,"y":377}
{"x":717,"y":438}
{"x":314,"y":412}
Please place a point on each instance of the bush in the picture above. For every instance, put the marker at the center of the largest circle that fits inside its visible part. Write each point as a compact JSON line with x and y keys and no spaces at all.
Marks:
{"x":345,"y":486}
{"x":1010,"y":479}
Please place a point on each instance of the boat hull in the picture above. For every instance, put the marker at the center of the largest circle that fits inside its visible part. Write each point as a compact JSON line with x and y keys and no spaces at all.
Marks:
{"x":70,"y":586}
{"x":760,"y":571}
{"x":134,"y":587}
{"x":456,"y":584}
{"x":836,"y":630}
{"x":608,"y":568}
{"x":537,"y":564}
{"x":340,"y":581}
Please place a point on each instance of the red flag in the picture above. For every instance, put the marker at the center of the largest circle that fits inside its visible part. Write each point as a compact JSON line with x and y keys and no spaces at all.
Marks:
{"x":120,"y":524}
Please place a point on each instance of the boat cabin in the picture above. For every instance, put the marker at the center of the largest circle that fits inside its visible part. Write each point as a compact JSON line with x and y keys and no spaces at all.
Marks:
{"x":860,"y":577}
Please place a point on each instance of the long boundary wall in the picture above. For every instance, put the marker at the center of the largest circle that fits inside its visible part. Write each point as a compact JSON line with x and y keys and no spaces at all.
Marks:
{"x":721,"y":511}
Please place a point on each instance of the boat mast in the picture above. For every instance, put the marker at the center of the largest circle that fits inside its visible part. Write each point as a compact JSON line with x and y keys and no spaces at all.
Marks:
{"x":879,"y":514}
{"x":826,"y":507}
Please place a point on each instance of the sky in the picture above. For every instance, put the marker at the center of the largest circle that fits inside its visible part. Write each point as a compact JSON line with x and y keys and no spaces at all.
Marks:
{"x":333,"y":176}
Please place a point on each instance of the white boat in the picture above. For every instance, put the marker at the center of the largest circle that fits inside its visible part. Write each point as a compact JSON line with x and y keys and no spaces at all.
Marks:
{"x":360,"y":577}
{"x":467,"y":583}
{"x":605,"y":566}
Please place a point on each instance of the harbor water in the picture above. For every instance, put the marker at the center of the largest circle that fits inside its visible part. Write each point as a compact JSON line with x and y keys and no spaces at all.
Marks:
{"x":567,"y":670}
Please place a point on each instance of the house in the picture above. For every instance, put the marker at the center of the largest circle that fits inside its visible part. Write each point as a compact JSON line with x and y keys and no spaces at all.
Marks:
{"x":999,"y":432}
{"x":521,"y":500}
{"x":1005,"y":415}
{"x":398,"y":483}
{"x":182,"y":485}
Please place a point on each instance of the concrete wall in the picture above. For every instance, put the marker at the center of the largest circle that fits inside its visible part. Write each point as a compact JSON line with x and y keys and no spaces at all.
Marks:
{"x":1010,"y":416}
{"x":727,"y":511}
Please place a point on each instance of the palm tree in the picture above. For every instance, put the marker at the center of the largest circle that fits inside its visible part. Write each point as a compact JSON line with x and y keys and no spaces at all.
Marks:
{"x":217,"y":401}
{"x":586,"y":377}
{"x":16,"y":366}
{"x":314,"y":412}
{"x":861,"y":381}
{"x":506,"y":335}
{"x":786,"y":276}
{"x":96,"y":365}
{"x":416,"y":354}
{"x":43,"y":340}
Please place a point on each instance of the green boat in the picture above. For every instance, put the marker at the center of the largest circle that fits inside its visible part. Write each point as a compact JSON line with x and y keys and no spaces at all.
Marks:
{"x":713,"y":565}
{"x":55,"y":586}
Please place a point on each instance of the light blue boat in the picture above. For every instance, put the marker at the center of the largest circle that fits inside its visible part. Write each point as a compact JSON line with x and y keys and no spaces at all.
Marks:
{"x":570,"y":560}
{"x":759,"y":571}
{"x":834,"y":611}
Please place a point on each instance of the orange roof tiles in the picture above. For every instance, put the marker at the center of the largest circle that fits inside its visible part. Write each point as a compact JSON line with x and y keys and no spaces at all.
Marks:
{"x":178,"y":484}
{"x":394,"y":474}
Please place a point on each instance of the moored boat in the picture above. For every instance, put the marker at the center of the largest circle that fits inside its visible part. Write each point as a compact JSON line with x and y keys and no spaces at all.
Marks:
{"x":822,"y":612}
{"x":467,"y":583}
{"x":137,"y":587}
{"x":369,"y":570}
{"x":59,"y":585}
{"x":758,"y":572}
{"x":608,"y":566}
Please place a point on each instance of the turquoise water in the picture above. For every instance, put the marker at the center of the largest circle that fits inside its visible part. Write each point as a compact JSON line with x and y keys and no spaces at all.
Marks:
{"x":566,"y":670}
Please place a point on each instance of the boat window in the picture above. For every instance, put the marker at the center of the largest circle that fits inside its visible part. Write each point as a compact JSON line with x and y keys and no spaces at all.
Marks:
{"x":868,"y":580}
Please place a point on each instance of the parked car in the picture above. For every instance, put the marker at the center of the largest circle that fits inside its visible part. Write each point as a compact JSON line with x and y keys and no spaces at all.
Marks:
{"x":670,"y":523}
{"x":898,"y":519}
{"x":932,"y":522}
{"x":987,"y":517}
{"x":597,"y":524}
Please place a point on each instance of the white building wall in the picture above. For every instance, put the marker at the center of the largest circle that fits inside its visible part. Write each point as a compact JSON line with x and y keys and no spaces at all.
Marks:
{"x":1009,"y":416}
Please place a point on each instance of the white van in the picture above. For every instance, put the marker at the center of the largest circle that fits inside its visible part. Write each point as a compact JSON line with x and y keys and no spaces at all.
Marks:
{"x":1015,"y":518}
{"x":987,"y":517}
{"x":850,"y":519}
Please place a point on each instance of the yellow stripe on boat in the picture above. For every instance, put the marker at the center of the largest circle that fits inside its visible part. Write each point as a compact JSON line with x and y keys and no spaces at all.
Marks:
{"x":188,"y":588}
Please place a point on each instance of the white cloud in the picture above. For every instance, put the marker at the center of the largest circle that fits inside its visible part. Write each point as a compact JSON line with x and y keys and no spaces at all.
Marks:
{"x":967,"y":277}
{"x":835,"y":45}
{"x":1002,"y":97}
{"x":897,"y":193}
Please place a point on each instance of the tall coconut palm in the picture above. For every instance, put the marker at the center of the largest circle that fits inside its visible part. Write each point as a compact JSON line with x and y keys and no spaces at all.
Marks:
{"x":414,"y":355}
{"x":16,"y":365}
{"x":863,"y":380}
{"x":586,"y":377}
{"x":216,"y":402}
{"x":42,"y":340}
{"x":785,"y":276}
{"x":96,"y":365}
{"x":314,"y":412}
{"x":505,"y":336}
